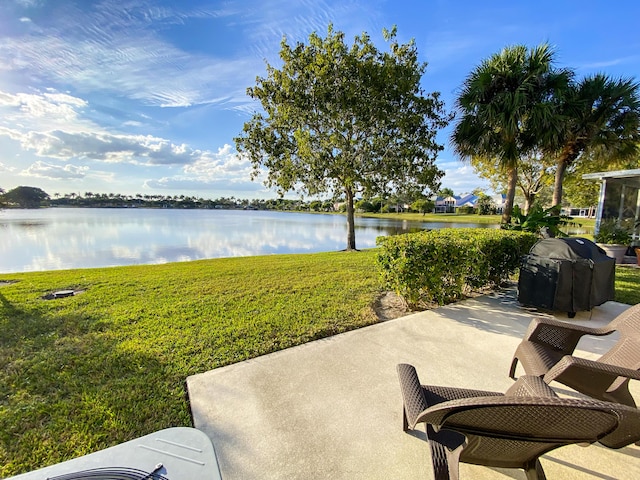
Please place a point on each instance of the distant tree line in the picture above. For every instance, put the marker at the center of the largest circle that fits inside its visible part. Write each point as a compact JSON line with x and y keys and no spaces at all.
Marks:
{"x":33,"y":197}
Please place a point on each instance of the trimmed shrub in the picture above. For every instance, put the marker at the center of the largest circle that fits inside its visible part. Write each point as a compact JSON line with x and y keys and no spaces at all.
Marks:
{"x":466,"y":210}
{"x":442,"y":266}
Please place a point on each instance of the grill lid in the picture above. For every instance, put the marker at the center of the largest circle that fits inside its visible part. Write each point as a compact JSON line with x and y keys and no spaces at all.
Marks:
{"x":573,"y":248}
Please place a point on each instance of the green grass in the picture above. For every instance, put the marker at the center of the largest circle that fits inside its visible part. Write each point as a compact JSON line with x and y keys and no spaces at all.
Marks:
{"x":82,"y":373}
{"x":628,"y":285}
{"x":437,"y":217}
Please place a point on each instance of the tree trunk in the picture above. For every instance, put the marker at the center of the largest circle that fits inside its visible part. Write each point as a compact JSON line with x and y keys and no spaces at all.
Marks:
{"x":528,"y":202}
{"x":511,"y":195}
{"x":557,"y":186}
{"x":351,"y":229}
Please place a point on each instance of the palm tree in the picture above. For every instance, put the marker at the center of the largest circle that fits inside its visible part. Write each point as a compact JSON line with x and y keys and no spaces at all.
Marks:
{"x":602,"y":115}
{"x":507,"y":109}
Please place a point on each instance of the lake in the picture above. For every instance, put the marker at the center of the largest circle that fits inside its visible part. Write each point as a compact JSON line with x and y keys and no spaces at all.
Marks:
{"x":63,"y":238}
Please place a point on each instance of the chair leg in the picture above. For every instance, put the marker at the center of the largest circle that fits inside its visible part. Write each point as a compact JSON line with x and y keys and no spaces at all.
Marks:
{"x":512,"y":370}
{"x":405,"y":422}
{"x":446,"y":447}
{"x":534,"y":471}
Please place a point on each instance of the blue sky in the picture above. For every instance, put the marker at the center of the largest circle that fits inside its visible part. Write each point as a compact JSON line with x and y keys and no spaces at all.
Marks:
{"x":145,"y":96}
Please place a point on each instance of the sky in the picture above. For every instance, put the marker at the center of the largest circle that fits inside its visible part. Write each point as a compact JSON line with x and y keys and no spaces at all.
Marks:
{"x":146,"y":96}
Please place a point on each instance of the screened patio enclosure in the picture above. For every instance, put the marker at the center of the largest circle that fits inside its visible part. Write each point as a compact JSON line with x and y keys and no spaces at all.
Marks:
{"x":619,"y":198}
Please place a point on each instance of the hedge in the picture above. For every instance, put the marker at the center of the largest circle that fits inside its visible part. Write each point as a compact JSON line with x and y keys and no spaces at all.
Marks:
{"x":445,"y":265}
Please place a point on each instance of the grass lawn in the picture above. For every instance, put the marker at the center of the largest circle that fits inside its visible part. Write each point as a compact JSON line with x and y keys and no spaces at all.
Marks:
{"x":85,"y":372}
{"x":437,"y":217}
{"x":81,"y":373}
{"x":628,"y":285}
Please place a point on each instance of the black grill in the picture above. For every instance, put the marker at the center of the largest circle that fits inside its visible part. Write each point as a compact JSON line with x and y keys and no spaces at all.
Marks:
{"x":115,"y":473}
{"x":566,"y":274}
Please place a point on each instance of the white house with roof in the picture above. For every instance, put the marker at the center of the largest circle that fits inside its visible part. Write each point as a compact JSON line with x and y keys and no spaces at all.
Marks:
{"x":451,"y":204}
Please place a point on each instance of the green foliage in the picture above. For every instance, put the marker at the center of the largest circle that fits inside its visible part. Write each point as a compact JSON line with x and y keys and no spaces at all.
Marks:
{"x":345,"y":120}
{"x":534,"y":175}
{"x":580,"y":192}
{"x":486,"y":205}
{"x":102,"y":367}
{"x":440,"y":266}
{"x":316,"y":206}
{"x":367,"y":207}
{"x":466,"y":210}
{"x":423,"y":206}
{"x":446,"y":192}
{"x":26,"y":197}
{"x":539,"y":221}
{"x":601,"y":115}
{"x":613,"y":233}
{"x":507,"y":110}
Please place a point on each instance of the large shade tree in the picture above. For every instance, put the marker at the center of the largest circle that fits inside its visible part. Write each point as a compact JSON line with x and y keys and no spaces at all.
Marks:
{"x":602,"y":116}
{"x":345,"y":120}
{"x":507,"y":109}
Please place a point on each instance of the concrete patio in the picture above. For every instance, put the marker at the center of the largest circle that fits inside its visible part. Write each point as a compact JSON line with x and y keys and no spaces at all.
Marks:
{"x":332,"y":408}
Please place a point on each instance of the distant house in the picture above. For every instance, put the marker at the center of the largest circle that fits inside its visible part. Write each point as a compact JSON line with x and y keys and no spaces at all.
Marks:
{"x":446,"y":204}
{"x":451,"y":204}
{"x":499,"y":200}
{"x":582,"y":212}
{"x":469,"y":200}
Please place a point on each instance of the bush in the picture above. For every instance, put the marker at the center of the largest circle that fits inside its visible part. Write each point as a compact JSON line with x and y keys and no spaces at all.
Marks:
{"x":442,"y":266}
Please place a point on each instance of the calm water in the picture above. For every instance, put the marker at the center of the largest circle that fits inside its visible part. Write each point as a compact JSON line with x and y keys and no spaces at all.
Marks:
{"x":61,"y":238}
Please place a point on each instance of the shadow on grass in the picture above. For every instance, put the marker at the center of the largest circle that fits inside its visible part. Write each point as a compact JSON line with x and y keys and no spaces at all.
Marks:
{"x":68,"y":388}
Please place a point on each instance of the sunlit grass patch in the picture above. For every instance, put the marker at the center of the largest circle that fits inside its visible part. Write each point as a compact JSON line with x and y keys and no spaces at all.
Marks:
{"x":84,"y":372}
{"x":628,"y":284}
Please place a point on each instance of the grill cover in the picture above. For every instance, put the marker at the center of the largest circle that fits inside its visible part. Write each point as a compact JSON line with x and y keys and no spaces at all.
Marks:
{"x":566,"y":274}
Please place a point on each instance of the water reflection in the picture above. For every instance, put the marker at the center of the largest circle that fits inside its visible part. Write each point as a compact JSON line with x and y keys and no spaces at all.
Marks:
{"x":52,"y":239}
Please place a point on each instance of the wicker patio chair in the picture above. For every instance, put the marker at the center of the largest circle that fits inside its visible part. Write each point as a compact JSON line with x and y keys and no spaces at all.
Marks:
{"x":510,"y":430}
{"x":547,"y":348}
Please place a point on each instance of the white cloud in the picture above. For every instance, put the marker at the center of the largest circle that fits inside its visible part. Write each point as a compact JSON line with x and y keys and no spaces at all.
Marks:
{"x":188,"y":184}
{"x":224,"y":170}
{"x":51,"y":124}
{"x":43,"y":111}
{"x":11,"y":133}
{"x":608,"y":63}
{"x":225,"y":162}
{"x":58,"y":172}
{"x":29,"y":3}
{"x":118,"y":47}
{"x":5,"y":168}
{"x":460,"y":178}
{"x":114,"y":47}
{"x":107,"y":147}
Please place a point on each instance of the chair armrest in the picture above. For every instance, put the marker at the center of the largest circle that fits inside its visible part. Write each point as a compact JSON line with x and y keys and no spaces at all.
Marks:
{"x":413,"y":397}
{"x":558,"y":335}
{"x":592,"y":370}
